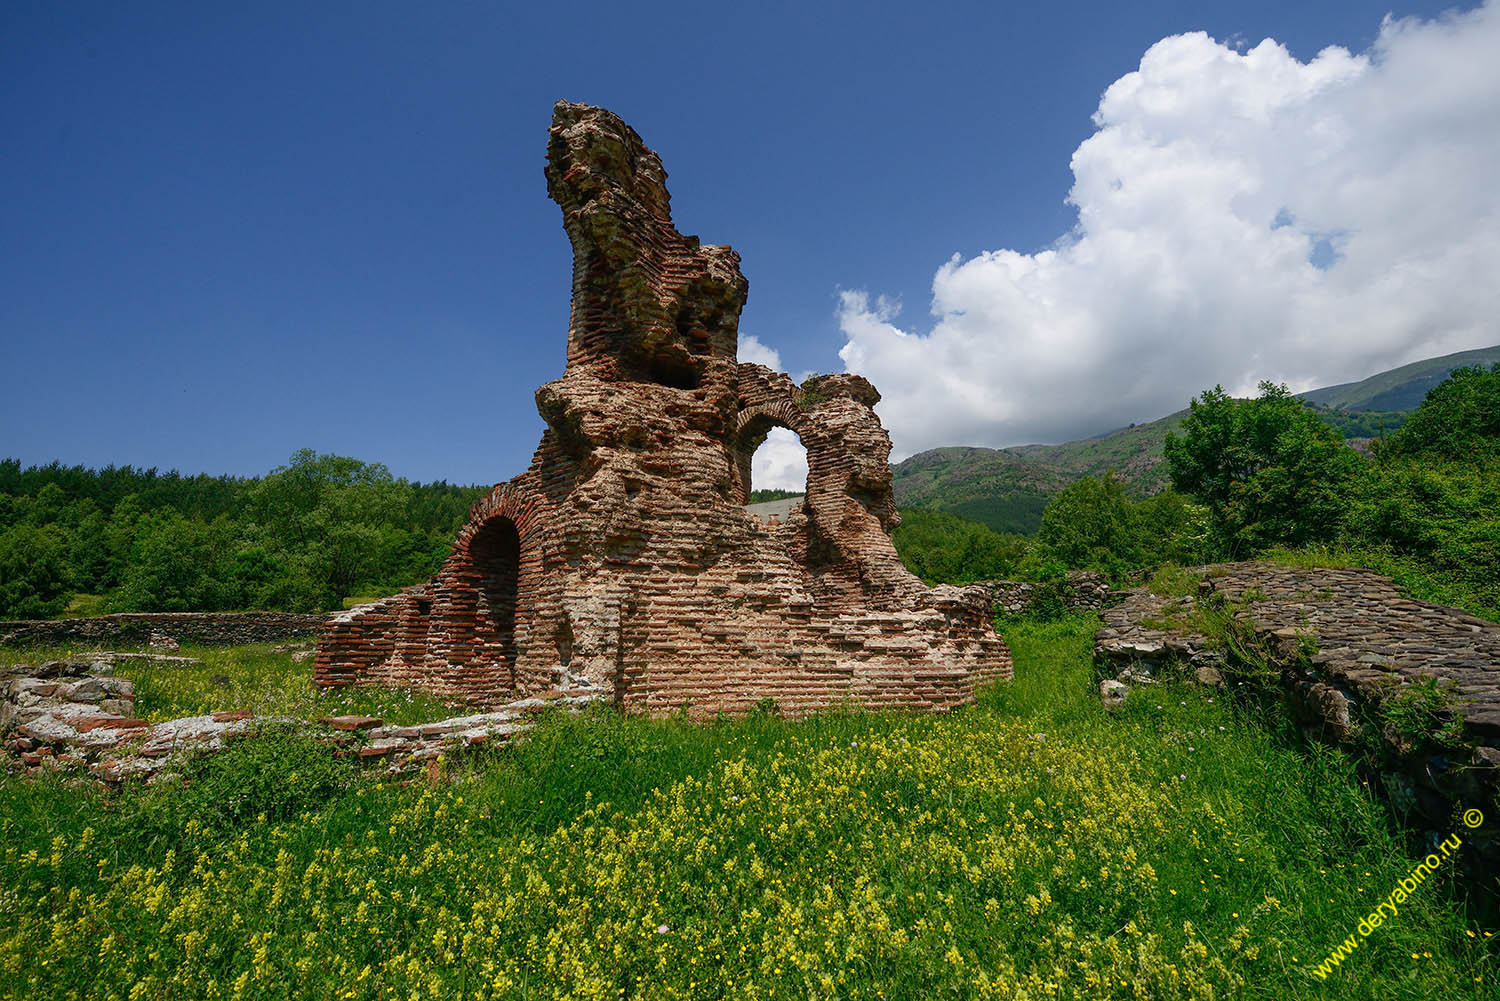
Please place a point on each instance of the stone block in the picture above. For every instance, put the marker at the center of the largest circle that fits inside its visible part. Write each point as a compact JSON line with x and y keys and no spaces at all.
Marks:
{"x":352,"y":722}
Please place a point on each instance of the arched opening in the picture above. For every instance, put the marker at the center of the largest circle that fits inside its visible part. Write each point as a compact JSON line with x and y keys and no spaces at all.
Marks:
{"x":773,"y":466}
{"x":496,"y":553}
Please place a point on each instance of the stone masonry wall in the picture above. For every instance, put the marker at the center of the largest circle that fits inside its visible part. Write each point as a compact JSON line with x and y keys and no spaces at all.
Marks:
{"x":208,"y":628}
{"x":1356,"y":658}
{"x":1078,"y":591}
{"x":622,"y":564}
{"x":75,"y":717}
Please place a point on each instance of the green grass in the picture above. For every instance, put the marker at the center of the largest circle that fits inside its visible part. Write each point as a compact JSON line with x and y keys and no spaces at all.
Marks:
{"x":1029,"y":846}
{"x":1172,"y":581}
{"x":252,"y":678}
{"x":82,"y":606}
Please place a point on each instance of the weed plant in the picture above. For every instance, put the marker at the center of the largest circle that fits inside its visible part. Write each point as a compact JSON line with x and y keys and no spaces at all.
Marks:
{"x":1030,"y":846}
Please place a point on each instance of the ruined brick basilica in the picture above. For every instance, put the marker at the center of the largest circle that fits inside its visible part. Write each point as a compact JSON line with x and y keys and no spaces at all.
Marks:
{"x":623,"y":564}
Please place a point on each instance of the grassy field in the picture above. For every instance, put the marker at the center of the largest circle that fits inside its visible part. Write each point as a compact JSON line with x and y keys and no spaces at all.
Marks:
{"x":1029,"y":847}
{"x":254,"y":678}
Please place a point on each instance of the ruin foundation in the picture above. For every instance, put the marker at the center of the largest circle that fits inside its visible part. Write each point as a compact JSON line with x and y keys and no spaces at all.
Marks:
{"x":622,"y":564}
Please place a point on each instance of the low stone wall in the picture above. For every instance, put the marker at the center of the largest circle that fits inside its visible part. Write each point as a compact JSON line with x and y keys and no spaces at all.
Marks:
{"x":1078,"y":591}
{"x":1361,"y":664}
{"x":208,"y":628}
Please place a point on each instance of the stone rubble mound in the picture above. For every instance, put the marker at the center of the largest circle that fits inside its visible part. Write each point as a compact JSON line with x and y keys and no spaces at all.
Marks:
{"x":1136,"y":644}
{"x":1078,"y":591}
{"x":74,"y":715}
{"x":1370,"y":639}
{"x":1354,"y":655}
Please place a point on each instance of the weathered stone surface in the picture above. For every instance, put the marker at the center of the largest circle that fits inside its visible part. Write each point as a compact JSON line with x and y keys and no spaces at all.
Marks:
{"x":211,"y":628}
{"x":622,"y":564}
{"x":1113,"y":694}
{"x":1137,"y":642}
{"x":352,"y":722}
{"x":1079,"y":591}
{"x":1350,"y":647}
{"x":38,"y":729}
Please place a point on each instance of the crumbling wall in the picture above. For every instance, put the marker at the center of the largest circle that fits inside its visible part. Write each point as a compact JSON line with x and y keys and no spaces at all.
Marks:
{"x":622,"y":563}
{"x":208,"y":628}
{"x":1078,"y":591}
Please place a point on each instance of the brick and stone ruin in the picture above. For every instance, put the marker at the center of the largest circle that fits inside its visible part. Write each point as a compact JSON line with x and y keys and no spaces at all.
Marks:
{"x":622,"y":564}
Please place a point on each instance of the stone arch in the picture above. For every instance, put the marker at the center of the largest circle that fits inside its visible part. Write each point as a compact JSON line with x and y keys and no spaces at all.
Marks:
{"x":750,"y":429}
{"x":485,"y":599}
{"x":524,"y":508}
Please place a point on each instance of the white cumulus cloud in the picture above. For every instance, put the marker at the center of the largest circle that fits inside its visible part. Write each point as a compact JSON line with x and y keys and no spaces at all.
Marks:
{"x":1242,"y":215}
{"x":753,"y":351}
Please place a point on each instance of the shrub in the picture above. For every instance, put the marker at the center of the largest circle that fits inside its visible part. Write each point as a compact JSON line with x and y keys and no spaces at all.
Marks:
{"x":268,"y":778}
{"x":33,"y":576}
{"x":1459,"y":419}
{"x":945,"y":549}
{"x":1268,"y":469}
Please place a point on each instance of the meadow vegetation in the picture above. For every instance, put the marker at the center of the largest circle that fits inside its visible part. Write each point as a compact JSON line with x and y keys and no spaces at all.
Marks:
{"x":260,"y":679}
{"x":1031,"y":846}
{"x":1189,"y":846}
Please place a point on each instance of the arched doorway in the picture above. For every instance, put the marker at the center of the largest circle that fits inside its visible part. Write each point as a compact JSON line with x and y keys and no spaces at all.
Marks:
{"x":778,"y":467}
{"x":495,"y":551}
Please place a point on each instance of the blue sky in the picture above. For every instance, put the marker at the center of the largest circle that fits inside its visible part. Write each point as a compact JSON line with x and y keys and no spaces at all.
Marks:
{"x":230,"y":233}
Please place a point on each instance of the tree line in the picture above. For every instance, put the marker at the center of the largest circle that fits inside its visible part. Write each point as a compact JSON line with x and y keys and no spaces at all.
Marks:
{"x":1249,"y":477}
{"x":1267,"y":475}
{"x":302,"y":538}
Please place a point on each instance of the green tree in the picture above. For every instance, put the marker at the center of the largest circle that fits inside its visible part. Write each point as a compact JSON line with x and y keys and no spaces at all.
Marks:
{"x":1091,"y":525}
{"x":33,"y":572}
{"x":1170,"y":528}
{"x":1458,"y":420}
{"x":1269,"y":470}
{"x":942,"y":548}
{"x":301,"y":538}
{"x":167,"y":566}
{"x":323,"y":514}
{"x":88,"y":549}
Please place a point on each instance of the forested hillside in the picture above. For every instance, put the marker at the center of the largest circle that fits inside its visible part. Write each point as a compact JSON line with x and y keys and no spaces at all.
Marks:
{"x":302,"y":538}
{"x":1007,"y":489}
{"x":1266,"y":477}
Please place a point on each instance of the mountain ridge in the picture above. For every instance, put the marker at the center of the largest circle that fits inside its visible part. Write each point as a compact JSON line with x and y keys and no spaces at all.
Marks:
{"x":1007,"y":488}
